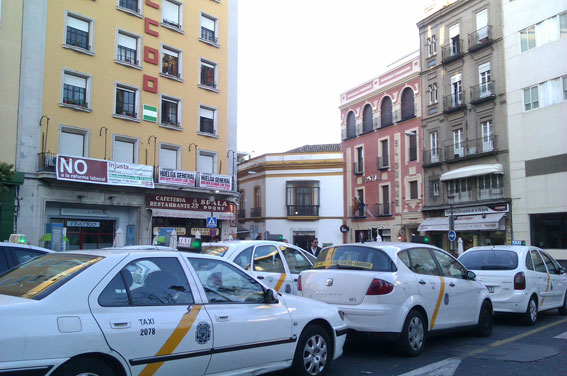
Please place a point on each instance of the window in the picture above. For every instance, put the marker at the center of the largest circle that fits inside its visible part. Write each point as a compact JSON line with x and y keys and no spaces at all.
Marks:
{"x":432,"y":46}
{"x":563,"y":25}
{"x":459,"y":186}
{"x":364,"y":258}
{"x":296,"y":261}
{"x":130,"y":5}
{"x":172,"y":14}
{"x":531,"y":98}
{"x":171,"y":62}
{"x":548,"y":230}
{"x":435,"y":188}
{"x":351,"y":125}
{"x":384,"y":159}
{"x":434,"y":145}
{"x":484,"y":80}
{"x":482,"y":25}
{"x":267,"y":259}
{"x":412,"y":146}
{"x":551,"y":268}
{"x":359,"y":164}
{"x":126,"y":101}
{"x":207,"y":120}
{"x":454,"y":40}
{"x":544,"y":32}
{"x":169,"y":156}
{"x":408,"y":105}
{"x":367,"y":119}
{"x":550,"y":92}
{"x":127,"y":48}
{"x":386,"y":112}
{"x":527,"y":37}
{"x":422,"y":262}
{"x":244,"y":259}
{"x":76,"y":89}
{"x":170,"y":111}
{"x":385,"y":200}
{"x":256,"y":211}
{"x":78,"y":32}
{"x":125,"y":149}
{"x":456,"y":90}
{"x":565,"y":88}
{"x":413,"y":190}
{"x":458,"y":148}
{"x":490,"y":186}
{"x":207,"y":162}
{"x":487,"y":138}
{"x":208,"y":29}
{"x":302,"y":198}
{"x":435,"y":93}
{"x":208,"y":74}
{"x":73,"y":142}
{"x":450,"y":266}
{"x":539,"y":265}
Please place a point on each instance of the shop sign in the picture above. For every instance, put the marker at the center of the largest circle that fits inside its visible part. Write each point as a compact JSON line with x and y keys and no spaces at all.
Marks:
{"x":97,"y":171}
{"x":186,"y":203}
{"x":202,"y":231}
{"x":89,"y":224}
{"x":180,"y":231}
{"x":488,"y":209}
{"x":176,"y":177}
{"x":223,"y":182}
{"x":85,"y":212}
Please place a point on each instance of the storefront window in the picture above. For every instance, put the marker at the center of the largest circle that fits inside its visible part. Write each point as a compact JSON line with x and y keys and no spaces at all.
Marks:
{"x":548,"y":230}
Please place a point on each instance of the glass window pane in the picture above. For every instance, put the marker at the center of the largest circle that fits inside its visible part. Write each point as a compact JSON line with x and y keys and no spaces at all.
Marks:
{"x":296,"y":262}
{"x":422,"y":262}
{"x":244,"y":259}
{"x":538,"y":262}
{"x":450,"y":266}
{"x":267,"y":259}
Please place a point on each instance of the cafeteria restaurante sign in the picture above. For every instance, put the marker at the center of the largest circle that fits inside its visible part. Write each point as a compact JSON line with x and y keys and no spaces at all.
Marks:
{"x":186,"y":203}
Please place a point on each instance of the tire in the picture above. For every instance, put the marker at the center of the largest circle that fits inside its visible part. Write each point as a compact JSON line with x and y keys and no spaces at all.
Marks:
{"x":414,"y":333}
{"x":563,"y":309}
{"x":312,"y":355}
{"x":485,"y":320}
{"x":85,"y":367}
{"x":530,"y":317}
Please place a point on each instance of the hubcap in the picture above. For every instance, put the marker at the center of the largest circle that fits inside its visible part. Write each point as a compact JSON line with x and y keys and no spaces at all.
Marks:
{"x":315,"y":355}
{"x":415,"y":333}
{"x":533,"y":310}
{"x":87,"y":374}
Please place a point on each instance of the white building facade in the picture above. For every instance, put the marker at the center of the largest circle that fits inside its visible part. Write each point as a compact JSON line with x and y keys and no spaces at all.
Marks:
{"x":535,"y":42}
{"x":297,"y":194}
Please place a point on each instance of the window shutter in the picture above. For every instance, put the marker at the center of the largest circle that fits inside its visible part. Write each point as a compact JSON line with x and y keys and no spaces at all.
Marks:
{"x":127,"y":41}
{"x":73,"y":80}
{"x":170,"y":11}
{"x":78,"y":24}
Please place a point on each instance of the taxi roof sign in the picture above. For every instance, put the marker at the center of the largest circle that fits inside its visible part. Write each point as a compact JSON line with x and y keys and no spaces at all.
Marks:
{"x":17,"y":238}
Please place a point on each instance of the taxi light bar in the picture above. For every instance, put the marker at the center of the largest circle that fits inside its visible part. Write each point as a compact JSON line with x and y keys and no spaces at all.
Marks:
{"x":379,"y":287}
{"x":520,"y":281}
{"x":17,"y":238}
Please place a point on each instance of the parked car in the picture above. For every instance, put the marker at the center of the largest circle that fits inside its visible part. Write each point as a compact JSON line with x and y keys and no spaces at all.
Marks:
{"x":274,"y":263}
{"x":520,"y":279}
{"x":402,"y":291}
{"x":160,"y":312}
{"x":12,"y":254}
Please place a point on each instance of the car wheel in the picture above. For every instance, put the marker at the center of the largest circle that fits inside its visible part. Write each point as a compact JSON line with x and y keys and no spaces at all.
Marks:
{"x":85,"y":367}
{"x":312,"y":355}
{"x":530,"y":317}
{"x":413,"y":335}
{"x":563,"y":308}
{"x":485,"y":320}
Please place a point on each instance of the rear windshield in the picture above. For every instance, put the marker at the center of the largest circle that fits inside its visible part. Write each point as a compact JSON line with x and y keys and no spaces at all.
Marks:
{"x":40,"y":277}
{"x":214,"y":250}
{"x":354,"y":258}
{"x":496,"y":259}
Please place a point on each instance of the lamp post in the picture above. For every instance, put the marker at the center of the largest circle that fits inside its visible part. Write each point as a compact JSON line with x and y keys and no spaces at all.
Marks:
{"x":451,"y":200}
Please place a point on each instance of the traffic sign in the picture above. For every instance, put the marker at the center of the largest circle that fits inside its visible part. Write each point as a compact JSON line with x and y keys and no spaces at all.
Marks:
{"x":213,"y":232}
{"x":211,"y":222}
{"x":452,"y":235}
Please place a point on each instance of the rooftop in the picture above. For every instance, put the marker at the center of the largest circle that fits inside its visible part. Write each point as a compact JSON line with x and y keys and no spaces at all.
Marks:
{"x":315,"y":148}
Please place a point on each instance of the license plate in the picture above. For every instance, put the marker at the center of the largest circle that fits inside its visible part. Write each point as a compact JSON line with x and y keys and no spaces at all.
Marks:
{"x":490,"y":288}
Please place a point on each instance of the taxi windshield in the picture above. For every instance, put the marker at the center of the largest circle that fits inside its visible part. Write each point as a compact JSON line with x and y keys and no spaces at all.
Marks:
{"x":354,"y":258}
{"x":214,"y":250}
{"x":492,"y":259}
{"x":40,"y":277}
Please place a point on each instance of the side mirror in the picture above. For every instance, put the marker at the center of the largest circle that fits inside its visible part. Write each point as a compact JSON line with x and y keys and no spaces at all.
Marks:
{"x":562,"y":270}
{"x":271,"y":296}
{"x":471,"y":276}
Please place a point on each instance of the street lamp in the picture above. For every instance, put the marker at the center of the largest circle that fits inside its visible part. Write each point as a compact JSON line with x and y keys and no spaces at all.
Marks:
{"x":451,"y":201}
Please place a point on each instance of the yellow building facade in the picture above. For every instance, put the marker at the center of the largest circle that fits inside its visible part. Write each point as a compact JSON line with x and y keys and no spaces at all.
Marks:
{"x":129,"y":119}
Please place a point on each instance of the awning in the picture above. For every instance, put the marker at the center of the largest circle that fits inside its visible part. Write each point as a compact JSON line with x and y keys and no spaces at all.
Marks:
{"x":242,"y":230}
{"x":476,"y":170}
{"x":172,"y":213}
{"x":485,"y":222}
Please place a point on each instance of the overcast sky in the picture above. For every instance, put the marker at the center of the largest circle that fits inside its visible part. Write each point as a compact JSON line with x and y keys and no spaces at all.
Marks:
{"x":297,"y":56}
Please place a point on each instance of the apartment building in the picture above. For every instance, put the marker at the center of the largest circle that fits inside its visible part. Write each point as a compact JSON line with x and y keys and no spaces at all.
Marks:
{"x":535,"y":42}
{"x":381,"y":142}
{"x":126,"y":120}
{"x":296,"y":194}
{"x":464,"y":123}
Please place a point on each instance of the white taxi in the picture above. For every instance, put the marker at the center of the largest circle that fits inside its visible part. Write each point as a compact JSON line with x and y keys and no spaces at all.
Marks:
{"x":401,"y":291}
{"x":156,"y":312}
{"x":520,"y":279}
{"x":274,"y":263}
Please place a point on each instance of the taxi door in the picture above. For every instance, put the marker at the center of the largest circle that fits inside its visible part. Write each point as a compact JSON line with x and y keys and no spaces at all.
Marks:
{"x":296,"y":262}
{"x":556,"y":281}
{"x":432,"y":288}
{"x":542,"y":279}
{"x":268,"y":267}
{"x":150,"y":313}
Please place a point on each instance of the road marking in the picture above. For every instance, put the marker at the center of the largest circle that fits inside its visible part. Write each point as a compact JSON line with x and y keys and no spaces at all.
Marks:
{"x":562,"y":336}
{"x":445,"y":367}
{"x":439,"y":299}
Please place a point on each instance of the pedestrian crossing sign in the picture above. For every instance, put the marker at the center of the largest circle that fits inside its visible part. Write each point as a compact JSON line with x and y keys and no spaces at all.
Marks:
{"x":211,"y":222}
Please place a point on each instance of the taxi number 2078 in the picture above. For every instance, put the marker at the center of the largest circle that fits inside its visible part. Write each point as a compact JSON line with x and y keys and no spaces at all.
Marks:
{"x":147,"y":331}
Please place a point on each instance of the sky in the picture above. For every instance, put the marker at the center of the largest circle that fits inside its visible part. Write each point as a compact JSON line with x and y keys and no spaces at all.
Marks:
{"x":295,"y":58}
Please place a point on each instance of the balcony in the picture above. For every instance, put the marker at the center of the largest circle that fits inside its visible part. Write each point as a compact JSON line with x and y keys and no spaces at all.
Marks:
{"x":255,"y":212}
{"x":383,"y":209}
{"x":303,"y":210}
{"x":480,"y":38}
{"x":431,"y":157}
{"x":454,"y":102}
{"x":465,"y":196}
{"x":357,"y":212}
{"x":490,"y":193}
{"x":471,"y":149}
{"x":453,"y":51}
{"x":383,"y":163}
{"x":358,"y":168}
{"x":482,"y":92}
{"x":47,"y":162}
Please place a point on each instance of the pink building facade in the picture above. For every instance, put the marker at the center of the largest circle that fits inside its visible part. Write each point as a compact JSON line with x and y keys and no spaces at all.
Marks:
{"x":382,"y":148}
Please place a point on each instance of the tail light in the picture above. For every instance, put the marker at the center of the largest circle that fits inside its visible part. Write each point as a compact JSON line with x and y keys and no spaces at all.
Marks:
{"x":520,"y":281}
{"x":299,"y":284}
{"x":379,"y":287}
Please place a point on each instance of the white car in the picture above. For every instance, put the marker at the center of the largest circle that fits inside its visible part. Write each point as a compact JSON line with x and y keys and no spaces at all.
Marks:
{"x":12,"y":254}
{"x":274,"y":263}
{"x":156,"y":312}
{"x":520,"y":279}
{"x":401,"y":291}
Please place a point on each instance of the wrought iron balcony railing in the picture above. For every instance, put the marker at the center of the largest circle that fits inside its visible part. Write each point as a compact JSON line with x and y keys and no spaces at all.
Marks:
{"x":431,"y":156}
{"x":255,"y":212}
{"x":383,"y":162}
{"x":454,"y":102}
{"x":452,"y":51}
{"x":480,"y":38}
{"x":303,"y":210}
{"x":358,"y":168}
{"x":471,"y":148}
{"x":490,"y":193}
{"x":47,"y":162}
{"x":242,"y":213}
{"x":357,"y":211}
{"x":482,"y":92}
{"x":383,"y":209}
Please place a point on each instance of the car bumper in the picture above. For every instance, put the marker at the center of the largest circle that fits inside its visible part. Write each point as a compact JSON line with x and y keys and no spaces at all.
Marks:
{"x":382,"y":318}
{"x":340,"y":339}
{"x":515,"y":303}
{"x":30,"y":367}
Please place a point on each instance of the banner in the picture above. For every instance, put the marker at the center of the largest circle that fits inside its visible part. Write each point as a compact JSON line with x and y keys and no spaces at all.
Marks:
{"x":186,"y":203}
{"x":131,"y":175}
{"x":176,"y":177}
{"x":222,"y":182}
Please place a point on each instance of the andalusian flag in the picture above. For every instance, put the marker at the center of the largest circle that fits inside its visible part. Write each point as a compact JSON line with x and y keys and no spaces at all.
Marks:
{"x":150,"y":113}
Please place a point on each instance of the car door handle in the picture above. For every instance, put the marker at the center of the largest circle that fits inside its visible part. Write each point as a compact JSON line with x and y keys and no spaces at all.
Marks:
{"x":223,"y":318}
{"x":422,"y":282}
{"x":451,"y":284}
{"x":120,"y":324}
{"x":260,"y":277}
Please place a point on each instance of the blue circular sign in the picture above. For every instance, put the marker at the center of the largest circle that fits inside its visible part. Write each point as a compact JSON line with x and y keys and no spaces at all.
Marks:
{"x":452,"y":235}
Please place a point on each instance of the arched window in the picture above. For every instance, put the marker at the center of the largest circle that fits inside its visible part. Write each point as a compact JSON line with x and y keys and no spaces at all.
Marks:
{"x":408,"y":106}
{"x":350,"y":125}
{"x":386,"y":112}
{"x":367,"y":119}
